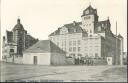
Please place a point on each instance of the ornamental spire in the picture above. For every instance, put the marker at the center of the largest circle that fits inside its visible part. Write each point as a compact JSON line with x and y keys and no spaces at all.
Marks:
{"x":18,"y":20}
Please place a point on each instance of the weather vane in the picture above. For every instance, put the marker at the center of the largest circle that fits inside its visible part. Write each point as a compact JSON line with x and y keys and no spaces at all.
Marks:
{"x":18,"y":17}
{"x":89,"y":3}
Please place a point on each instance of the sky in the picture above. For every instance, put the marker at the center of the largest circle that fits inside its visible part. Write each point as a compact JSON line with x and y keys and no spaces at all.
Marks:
{"x":42,"y":17}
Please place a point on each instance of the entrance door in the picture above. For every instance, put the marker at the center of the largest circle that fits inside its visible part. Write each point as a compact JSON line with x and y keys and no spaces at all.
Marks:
{"x":35,"y":60}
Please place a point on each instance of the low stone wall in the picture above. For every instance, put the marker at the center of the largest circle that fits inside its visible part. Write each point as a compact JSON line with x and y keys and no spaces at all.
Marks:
{"x":58,"y":59}
{"x":99,"y":62}
{"x":70,"y":61}
{"x":18,"y":60}
{"x":14,"y":60}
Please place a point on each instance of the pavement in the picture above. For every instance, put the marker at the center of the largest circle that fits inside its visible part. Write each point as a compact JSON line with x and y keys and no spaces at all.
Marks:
{"x":37,"y":73}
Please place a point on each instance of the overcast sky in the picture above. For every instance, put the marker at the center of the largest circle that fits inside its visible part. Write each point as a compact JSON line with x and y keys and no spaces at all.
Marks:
{"x":42,"y":17}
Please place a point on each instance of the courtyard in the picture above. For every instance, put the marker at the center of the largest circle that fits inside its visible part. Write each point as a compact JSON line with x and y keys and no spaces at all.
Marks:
{"x":75,"y":73}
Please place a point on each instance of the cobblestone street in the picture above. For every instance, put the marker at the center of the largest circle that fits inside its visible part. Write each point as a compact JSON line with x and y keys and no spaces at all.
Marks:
{"x":15,"y":72}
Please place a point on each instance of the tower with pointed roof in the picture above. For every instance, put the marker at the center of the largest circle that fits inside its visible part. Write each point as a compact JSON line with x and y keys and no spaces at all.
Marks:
{"x":89,"y":19}
{"x":16,"y":41}
{"x":19,"y":36}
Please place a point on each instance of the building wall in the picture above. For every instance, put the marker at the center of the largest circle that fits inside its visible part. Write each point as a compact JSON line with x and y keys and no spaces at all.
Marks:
{"x":45,"y":58}
{"x":88,"y":23}
{"x":63,"y":41}
{"x":113,"y":47}
{"x":19,"y":39}
{"x":58,"y":59}
{"x":42,"y":58}
{"x":6,"y":51}
{"x":77,"y":45}
{"x":92,"y":46}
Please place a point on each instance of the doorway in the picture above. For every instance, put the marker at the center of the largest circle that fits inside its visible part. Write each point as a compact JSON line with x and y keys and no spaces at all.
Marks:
{"x":35,"y":60}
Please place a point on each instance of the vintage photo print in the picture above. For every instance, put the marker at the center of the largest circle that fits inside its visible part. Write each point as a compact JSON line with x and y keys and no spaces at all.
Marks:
{"x":63,"y":41}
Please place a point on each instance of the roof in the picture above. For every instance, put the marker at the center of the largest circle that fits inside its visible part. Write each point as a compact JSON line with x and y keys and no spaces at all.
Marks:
{"x":44,"y":46}
{"x":72,"y":28}
{"x":18,"y":26}
{"x":94,"y":11}
{"x":103,"y":24}
{"x":120,"y":36}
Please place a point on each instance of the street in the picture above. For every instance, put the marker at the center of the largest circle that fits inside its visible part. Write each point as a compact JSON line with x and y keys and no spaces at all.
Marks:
{"x":16,"y":72}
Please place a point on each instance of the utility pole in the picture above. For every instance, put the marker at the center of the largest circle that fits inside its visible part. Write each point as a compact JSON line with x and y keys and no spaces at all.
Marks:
{"x":116,"y":45}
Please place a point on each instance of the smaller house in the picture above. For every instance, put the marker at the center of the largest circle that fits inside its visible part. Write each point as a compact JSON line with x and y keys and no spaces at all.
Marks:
{"x":44,"y":52}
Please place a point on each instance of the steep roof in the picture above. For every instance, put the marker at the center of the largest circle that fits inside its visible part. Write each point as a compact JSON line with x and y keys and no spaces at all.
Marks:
{"x":119,"y":36}
{"x":44,"y":46}
{"x":91,"y":10}
{"x":103,"y":22}
{"x":18,"y":26}
{"x":72,"y":28}
{"x":103,"y":25}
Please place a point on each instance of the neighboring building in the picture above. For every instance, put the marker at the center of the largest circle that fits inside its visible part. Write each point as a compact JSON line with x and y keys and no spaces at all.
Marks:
{"x":125,"y":58}
{"x":15,"y":42}
{"x":44,"y":52}
{"x":90,"y":38}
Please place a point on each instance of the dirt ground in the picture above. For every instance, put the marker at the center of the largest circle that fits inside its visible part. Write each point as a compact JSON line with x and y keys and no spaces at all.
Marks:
{"x":39,"y":73}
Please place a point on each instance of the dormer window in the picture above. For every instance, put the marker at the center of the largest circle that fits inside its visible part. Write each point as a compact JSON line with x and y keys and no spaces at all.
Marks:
{"x":63,"y":30}
{"x":91,"y":11}
{"x":87,"y":12}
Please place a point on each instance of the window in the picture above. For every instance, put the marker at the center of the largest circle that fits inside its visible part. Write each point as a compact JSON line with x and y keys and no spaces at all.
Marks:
{"x":87,"y":12}
{"x":74,"y":43}
{"x":96,"y":48}
{"x":74,"y":49}
{"x":70,"y":49}
{"x":79,"y":49}
{"x":91,"y":11}
{"x":78,"y":42}
{"x":96,"y":55}
{"x":70,"y":43}
{"x":11,"y":50}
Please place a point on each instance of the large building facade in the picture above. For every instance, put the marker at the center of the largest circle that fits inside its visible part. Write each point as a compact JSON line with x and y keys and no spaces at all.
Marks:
{"x":16,"y":41}
{"x":90,"y":38}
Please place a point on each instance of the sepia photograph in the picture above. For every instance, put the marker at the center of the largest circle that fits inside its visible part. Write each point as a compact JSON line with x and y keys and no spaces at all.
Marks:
{"x":63,"y":41}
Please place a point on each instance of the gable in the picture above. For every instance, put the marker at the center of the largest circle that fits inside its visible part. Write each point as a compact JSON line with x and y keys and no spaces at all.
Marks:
{"x":69,"y":28}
